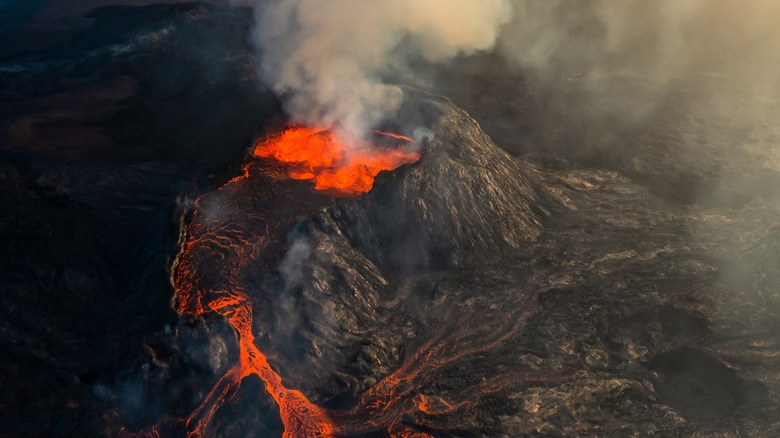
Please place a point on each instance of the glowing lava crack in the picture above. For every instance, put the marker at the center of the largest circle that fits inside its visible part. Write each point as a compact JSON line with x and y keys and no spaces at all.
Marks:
{"x":220,"y":247}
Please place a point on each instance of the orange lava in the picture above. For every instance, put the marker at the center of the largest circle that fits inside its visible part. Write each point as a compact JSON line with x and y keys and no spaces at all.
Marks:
{"x":231,"y":248}
{"x":319,"y":155}
{"x":301,"y":418}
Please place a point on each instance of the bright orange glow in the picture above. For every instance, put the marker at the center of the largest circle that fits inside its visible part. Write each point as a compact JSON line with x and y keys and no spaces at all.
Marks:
{"x":231,"y":248}
{"x":392,"y":135}
{"x":317,"y":154}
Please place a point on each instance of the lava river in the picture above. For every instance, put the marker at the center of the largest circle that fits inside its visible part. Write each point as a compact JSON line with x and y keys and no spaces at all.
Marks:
{"x":208,"y":279}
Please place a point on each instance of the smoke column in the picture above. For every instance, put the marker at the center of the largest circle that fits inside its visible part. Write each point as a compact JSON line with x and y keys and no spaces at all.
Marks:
{"x":326,"y":59}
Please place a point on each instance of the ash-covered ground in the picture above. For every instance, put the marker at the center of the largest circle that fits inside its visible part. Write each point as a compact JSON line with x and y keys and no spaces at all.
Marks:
{"x":606,"y":278}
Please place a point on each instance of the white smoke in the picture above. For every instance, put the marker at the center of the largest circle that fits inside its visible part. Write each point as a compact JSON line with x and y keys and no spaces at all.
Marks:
{"x":292,"y":266}
{"x":326,"y":59}
{"x":661,"y":40}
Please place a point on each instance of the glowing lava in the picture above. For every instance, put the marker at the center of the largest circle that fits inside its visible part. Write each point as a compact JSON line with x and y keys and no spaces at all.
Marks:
{"x":335,"y":167}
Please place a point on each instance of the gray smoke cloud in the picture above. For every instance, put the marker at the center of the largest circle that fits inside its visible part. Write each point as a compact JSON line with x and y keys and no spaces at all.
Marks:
{"x":660,"y":37}
{"x":327,"y":59}
{"x":296,"y":258}
{"x":716,"y":52}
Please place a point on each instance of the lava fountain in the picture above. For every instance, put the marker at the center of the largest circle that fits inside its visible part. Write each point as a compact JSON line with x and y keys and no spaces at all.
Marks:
{"x":335,"y":167}
{"x":220,"y":247}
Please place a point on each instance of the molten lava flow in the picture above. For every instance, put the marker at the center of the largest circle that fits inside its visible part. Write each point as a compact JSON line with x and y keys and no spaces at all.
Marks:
{"x":301,"y":418}
{"x":393,"y":135}
{"x":215,"y":244}
{"x":335,"y":167}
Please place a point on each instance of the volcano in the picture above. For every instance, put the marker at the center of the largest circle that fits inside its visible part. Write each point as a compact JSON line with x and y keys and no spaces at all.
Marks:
{"x":434,"y":305}
{"x":170,"y":269}
{"x":261,"y":240}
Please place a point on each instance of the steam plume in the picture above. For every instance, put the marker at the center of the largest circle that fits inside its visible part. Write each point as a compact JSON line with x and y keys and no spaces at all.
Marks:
{"x":590,"y":43}
{"x":326,"y":59}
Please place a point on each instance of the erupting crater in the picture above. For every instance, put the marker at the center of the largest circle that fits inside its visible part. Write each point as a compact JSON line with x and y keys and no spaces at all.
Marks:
{"x":335,"y":167}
